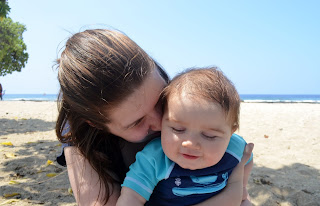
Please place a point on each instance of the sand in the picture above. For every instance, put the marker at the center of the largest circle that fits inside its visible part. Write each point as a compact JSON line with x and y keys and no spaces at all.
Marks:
{"x":286,"y":167}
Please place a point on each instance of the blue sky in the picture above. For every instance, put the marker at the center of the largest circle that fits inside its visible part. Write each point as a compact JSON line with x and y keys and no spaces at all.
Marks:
{"x":264,"y":47}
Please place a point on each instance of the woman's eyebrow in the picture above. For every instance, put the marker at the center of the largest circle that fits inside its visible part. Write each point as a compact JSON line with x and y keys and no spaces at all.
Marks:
{"x":133,"y":123}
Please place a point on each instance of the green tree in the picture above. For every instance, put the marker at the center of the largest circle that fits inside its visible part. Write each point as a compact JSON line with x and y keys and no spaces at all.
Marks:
{"x":13,"y":54}
{"x":4,"y":9}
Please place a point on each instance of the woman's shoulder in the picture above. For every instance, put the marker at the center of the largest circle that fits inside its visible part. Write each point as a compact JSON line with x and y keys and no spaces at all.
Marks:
{"x":61,"y":159}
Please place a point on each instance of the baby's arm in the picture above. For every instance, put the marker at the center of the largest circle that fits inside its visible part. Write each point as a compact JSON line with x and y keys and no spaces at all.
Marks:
{"x":144,"y":174}
{"x":130,"y":197}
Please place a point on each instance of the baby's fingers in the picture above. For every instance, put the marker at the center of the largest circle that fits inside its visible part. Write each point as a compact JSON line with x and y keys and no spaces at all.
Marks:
{"x":237,"y":173}
{"x":247,"y":153}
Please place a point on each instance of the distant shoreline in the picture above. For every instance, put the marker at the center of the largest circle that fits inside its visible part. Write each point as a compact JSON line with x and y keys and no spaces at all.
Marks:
{"x":30,"y":97}
{"x":242,"y":101}
{"x":28,"y":100}
{"x":279,"y":102}
{"x":247,"y":98}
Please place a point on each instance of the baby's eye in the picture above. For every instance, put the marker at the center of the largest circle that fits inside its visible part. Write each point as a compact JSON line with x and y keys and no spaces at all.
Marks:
{"x":208,"y":136}
{"x":177,"y":130}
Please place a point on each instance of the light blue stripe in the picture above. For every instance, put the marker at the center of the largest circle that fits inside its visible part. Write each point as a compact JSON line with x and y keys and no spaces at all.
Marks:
{"x":139,"y":184}
{"x":169,"y":171}
{"x":199,"y":190}
{"x":205,"y":180}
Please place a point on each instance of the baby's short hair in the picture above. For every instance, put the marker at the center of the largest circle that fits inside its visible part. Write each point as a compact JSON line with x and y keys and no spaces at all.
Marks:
{"x":209,"y":84}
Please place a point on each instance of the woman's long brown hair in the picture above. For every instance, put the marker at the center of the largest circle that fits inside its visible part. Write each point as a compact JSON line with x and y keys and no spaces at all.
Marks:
{"x":97,"y":70}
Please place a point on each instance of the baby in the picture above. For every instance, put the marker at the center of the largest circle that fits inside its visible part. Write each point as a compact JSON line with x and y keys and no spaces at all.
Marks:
{"x":197,"y":151}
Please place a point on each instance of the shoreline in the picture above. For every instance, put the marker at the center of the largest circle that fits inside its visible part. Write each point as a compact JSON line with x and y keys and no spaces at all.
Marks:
{"x":247,"y":98}
{"x":28,"y":100}
{"x":242,"y":101}
{"x":286,"y":168}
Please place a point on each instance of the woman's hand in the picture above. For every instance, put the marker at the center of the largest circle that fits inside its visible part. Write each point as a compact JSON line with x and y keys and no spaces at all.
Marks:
{"x":241,"y":173}
{"x":238,"y":172}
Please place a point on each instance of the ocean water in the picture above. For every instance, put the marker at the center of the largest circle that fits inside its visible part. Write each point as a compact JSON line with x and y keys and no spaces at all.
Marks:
{"x":269,"y":98}
{"x":281,"y":98}
{"x":30,"y":97}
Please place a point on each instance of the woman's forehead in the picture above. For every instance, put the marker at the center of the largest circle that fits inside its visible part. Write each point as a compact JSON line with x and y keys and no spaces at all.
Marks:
{"x":140,"y":102}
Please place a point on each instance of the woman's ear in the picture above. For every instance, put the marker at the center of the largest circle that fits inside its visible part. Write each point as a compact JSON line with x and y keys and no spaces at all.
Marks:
{"x":90,"y":123}
{"x":93,"y":125}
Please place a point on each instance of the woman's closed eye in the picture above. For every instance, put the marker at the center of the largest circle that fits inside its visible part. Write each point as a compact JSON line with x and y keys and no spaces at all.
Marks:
{"x":137,"y":123}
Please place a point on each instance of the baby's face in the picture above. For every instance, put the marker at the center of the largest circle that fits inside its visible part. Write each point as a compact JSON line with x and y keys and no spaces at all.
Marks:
{"x":195,"y":133}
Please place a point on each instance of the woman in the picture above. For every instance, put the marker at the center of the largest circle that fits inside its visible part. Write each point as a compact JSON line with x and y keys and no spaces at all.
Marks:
{"x":108,"y":111}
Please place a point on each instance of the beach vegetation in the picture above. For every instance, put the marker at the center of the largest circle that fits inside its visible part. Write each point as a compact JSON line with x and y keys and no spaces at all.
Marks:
{"x":13,"y":50}
{"x":4,"y":9}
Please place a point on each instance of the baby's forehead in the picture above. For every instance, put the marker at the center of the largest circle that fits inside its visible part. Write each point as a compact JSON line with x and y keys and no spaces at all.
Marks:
{"x":197,"y":99}
{"x":190,"y":92}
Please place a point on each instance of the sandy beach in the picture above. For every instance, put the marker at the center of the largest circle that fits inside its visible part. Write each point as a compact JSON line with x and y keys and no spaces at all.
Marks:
{"x":286,"y":166}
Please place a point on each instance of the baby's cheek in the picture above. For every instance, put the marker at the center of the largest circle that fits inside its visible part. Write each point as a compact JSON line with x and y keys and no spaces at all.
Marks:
{"x":175,"y":138}
{"x":167,"y":144}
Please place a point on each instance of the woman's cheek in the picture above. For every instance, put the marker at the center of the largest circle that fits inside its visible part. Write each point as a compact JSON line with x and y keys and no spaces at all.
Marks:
{"x":142,"y":132}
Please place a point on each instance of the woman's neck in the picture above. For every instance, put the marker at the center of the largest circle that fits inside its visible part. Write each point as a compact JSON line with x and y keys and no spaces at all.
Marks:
{"x":129,"y":149}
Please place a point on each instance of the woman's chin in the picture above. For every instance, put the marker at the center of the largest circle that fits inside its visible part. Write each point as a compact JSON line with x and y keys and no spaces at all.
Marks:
{"x":152,"y":135}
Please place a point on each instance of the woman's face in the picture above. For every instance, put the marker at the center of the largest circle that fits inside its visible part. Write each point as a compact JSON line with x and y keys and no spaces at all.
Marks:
{"x":140,"y":114}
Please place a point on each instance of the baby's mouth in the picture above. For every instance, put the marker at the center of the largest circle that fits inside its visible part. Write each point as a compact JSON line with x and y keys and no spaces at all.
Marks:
{"x":190,"y":157}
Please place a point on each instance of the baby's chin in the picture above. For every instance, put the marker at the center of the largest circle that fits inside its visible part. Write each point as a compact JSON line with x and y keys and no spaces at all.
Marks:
{"x":192,"y":167}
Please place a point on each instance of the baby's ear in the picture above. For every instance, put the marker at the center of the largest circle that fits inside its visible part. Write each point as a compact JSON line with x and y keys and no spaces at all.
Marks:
{"x":235,"y":127}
